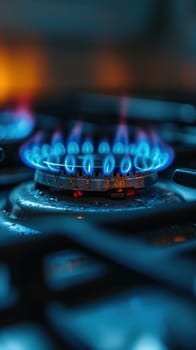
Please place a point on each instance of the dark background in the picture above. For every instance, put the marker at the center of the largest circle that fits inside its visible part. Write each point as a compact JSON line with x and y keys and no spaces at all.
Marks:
{"x":112,"y":46}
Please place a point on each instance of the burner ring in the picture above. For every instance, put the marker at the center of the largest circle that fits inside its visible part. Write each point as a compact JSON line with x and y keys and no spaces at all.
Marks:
{"x":94,"y":183}
{"x":27,"y":201}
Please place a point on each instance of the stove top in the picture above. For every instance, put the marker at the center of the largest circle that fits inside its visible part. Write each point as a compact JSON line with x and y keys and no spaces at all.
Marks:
{"x":97,"y":231}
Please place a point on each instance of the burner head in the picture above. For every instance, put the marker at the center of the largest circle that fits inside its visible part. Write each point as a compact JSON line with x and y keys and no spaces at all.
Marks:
{"x":85,"y":161}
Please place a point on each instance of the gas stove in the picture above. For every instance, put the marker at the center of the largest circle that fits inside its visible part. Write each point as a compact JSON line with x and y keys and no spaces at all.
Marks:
{"x":97,"y":225}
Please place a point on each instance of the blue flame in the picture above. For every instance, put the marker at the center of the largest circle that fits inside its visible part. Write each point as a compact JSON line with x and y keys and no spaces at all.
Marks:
{"x":125,"y":165}
{"x":56,"y":138}
{"x":87,"y":147}
{"x":104,"y":147}
{"x":143,"y":163}
{"x":46,"y":150}
{"x":73,"y":147}
{"x":132,"y":149}
{"x":143,"y":149}
{"x":34,"y":158}
{"x":73,"y":142}
{"x":88,"y":165}
{"x":108,"y":165}
{"x":70,"y":164}
{"x":53,"y":162}
{"x":121,"y":140}
{"x":59,"y":148}
{"x":118,"y":148}
{"x":156,"y":160}
{"x":145,"y":153}
{"x":15,"y":124}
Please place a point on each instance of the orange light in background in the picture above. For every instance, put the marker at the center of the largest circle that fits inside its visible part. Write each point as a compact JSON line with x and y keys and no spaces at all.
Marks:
{"x":110,"y":71}
{"x":29,"y":71}
{"x":22,"y":72}
{"x":5,"y":74}
{"x":188,"y":73}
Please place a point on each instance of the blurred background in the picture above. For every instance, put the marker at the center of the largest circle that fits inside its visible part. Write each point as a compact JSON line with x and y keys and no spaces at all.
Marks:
{"x":48,"y":48}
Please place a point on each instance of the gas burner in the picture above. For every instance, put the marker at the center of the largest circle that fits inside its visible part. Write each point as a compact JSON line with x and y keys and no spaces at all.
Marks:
{"x":84,"y":161}
{"x":79,"y":174}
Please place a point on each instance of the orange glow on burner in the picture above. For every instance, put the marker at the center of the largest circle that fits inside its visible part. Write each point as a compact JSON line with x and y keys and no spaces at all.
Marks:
{"x":130,"y":193}
{"x":78,"y":194}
